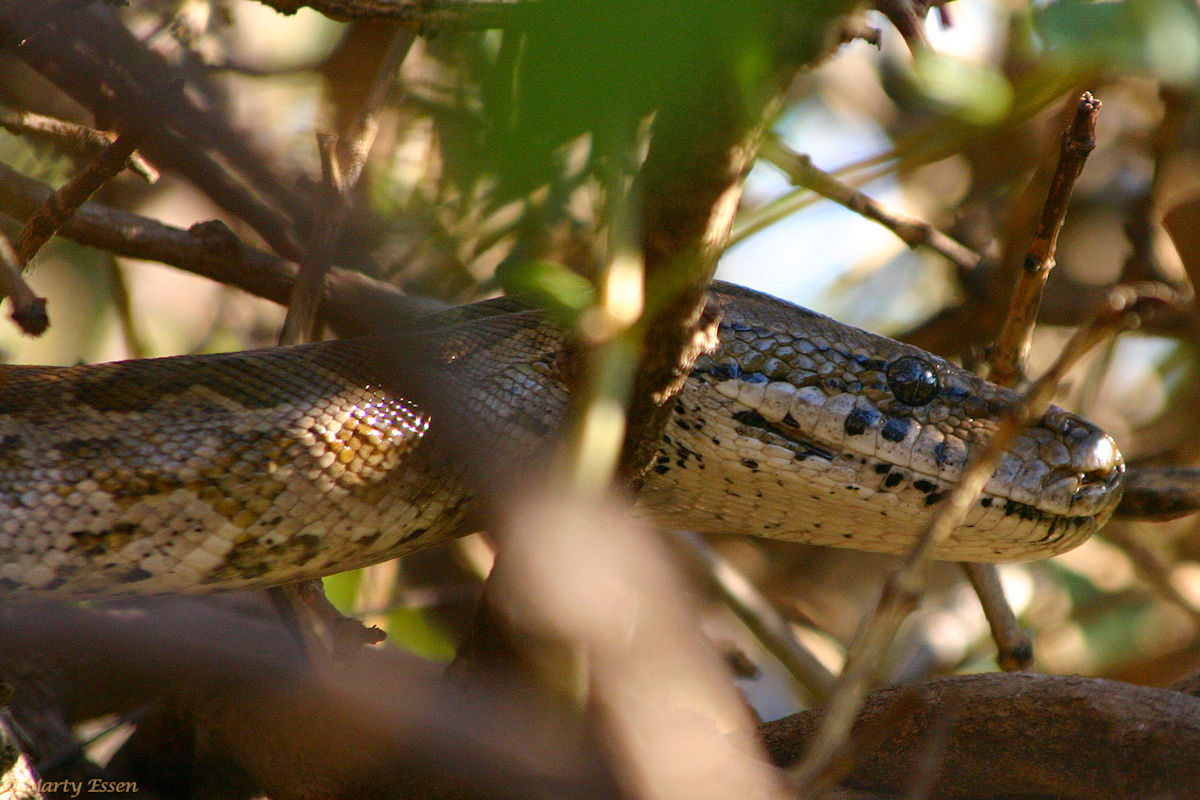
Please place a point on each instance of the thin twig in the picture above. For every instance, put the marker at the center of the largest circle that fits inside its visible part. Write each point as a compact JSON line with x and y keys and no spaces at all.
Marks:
{"x":300,"y":323}
{"x":1021,"y":735}
{"x":1124,"y":307}
{"x":118,"y":290}
{"x":69,"y":137}
{"x":762,"y":619}
{"x":1013,"y":645}
{"x":913,"y":232}
{"x":1006,"y":362}
{"x":458,"y":14}
{"x":337,"y":182}
{"x":62,"y":204}
{"x":1012,"y":345}
{"x":354,"y":304}
{"x":29,"y":310}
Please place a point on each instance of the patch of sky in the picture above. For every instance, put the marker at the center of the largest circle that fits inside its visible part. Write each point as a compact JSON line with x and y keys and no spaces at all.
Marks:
{"x":805,"y":253}
{"x":825,"y":256}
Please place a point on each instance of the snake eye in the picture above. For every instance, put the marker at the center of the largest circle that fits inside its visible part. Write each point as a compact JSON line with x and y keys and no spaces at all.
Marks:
{"x":913,"y":381}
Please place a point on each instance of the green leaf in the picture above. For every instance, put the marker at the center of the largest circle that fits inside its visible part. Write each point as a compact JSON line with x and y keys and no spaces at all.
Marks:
{"x":548,"y":285}
{"x":411,"y":629}
{"x":342,"y":588}
{"x":975,"y":93}
{"x":1160,"y":38}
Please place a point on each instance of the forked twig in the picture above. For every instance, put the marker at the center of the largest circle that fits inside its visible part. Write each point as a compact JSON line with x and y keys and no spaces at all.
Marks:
{"x":337,"y":181}
{"x":1124,"y":308}
{"x":1007,"y":356}
{"x":70,"y":137}
{"x":61,"y":205}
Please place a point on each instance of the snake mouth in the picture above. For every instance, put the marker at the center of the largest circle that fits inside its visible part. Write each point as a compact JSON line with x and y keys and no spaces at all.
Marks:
{"x":1066,"y":466}
{"x":1063,"y":472}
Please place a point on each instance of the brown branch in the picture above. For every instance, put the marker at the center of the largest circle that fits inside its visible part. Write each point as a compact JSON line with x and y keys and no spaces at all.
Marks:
{"x":1014,"y":647}
{"x":913,"y":232}
{"x":460,"y":14}
{"x":1019,"y":734}
{"x":1125,"y":307}
{"x":79,"y":50}
{"x":338,"y":180}
{"x":690,"y":185}
{"x":1012,"y":345}
{"x":62,"y":204}
{"x":223,"y":674}
{"x":353,"y":304}
{"x":69,"y":137}
{"x":29,"y":310}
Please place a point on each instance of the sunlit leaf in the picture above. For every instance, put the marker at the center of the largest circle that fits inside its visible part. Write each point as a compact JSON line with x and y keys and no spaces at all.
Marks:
{"x":1158,"y":37}
{"x":549,"y":285}
{"x":976,"y":93}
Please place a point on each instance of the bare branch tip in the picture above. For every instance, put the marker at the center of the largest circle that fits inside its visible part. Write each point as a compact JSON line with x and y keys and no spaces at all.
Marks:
{"x":31,"y":316}
{"x":1080,"y":136}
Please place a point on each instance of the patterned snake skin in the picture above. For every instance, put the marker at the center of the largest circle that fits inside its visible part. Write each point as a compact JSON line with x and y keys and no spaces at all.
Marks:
{"x":199,"y":473}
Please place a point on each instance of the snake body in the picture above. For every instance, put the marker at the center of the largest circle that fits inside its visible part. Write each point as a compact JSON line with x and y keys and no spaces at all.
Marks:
{"x":199,"y":473}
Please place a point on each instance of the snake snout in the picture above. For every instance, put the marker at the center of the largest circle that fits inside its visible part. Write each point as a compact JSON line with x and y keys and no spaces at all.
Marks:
{"x":1086,"y":469}
{"x":1093,"y":453}
{"x":1096,"y":456}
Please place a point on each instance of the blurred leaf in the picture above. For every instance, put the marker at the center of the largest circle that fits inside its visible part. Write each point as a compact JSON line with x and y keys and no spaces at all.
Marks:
{"x":597,"y":68}
{"x":1159,"y":37}
{"x":413,"y":630}
{"x":342,"y":588}
{"x":549,"y":285}
{"x":407,"y":628}
{"x":978,"y":94}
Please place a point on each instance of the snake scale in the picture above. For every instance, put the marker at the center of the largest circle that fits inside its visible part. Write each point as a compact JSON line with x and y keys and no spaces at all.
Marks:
{"x":200,"y":473}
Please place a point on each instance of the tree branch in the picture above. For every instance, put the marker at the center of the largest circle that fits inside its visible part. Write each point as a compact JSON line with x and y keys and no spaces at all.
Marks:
{"x":353,"y":303}
{"x":1070,"y":738}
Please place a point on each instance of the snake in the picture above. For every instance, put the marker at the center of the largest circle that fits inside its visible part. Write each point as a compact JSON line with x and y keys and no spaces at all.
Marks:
{"x":199,"y":473}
